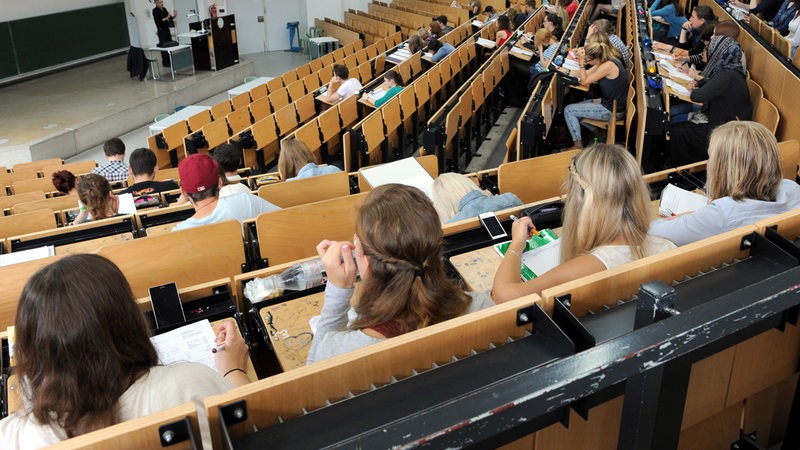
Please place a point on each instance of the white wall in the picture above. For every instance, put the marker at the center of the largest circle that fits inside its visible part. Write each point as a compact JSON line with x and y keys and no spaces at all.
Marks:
{"x":15,"y":9}
{"x":278,"y":13}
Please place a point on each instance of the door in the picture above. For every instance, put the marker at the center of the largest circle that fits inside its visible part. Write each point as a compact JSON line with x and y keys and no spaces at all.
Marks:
{"x":184,"y":8}
{"x":250,"y":25}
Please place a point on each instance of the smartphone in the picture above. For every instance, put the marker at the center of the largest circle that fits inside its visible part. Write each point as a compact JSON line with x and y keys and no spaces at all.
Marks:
{"x":492,"y":225}
{"x":167,"y":306}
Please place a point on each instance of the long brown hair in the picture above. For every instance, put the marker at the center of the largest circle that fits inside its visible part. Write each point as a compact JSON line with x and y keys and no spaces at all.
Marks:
{"x":81,"y":341}
{"x":401,"y":235}
{"x":95,"y":192}
{"x":294,"y":155}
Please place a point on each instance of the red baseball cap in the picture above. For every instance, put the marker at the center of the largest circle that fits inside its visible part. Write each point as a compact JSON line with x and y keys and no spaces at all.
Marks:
{"x":198,"y":172}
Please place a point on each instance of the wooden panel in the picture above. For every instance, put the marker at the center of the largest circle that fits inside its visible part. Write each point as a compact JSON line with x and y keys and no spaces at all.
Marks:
{"x":32,"y":185}
{"x":600,"y":432}
{"x":550,"y":170}
{"x":27,"y":222}
{"x":10,"y":201}
{"x":216,"y":251}
{"x":306,"y":190}
{"x":767,"y":412}
{"x":136,"y":434}
{"x":788,"y":224}
{"x":286,"y":394}
{"x":12,"y":280}
{"x":77,"y":168}
{"x":54,"y":204}
{"x":36,"y":165}
{"x":717,"y":432}
{"x":790,"y":158}
{"x":288,"y":235}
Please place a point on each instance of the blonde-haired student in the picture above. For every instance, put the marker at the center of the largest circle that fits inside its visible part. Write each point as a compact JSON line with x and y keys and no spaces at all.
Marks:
{"x":606,"y":220}
{"x":744,"y":185}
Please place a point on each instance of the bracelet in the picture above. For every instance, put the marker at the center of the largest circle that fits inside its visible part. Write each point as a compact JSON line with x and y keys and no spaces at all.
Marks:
{"x":82,"y":208}
{"x":511,"y":250}
{"x":234,"y":370}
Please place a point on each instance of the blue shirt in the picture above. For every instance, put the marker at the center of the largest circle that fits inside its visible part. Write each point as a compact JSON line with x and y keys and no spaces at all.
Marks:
{"x":442,"y":52}
{"x":476,"y":203}
{"x":239,"y":207}
{"x":311,"y":170}
{"x":669,"y":14}
{"x":725,"y":214}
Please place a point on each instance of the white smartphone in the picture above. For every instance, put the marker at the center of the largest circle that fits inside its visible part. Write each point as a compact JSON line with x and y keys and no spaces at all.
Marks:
{"x":492,"y":225}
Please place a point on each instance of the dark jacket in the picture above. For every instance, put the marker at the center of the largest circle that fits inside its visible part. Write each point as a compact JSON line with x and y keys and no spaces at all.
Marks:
{"x":137,"y":63}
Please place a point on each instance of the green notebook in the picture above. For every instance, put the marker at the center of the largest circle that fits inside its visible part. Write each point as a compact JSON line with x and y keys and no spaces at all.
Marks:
{"x":542,"y":253}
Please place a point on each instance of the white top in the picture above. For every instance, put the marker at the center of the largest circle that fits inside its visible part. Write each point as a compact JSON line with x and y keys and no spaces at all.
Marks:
{"x":794,"y":35}
{"x":725,"y":214}
{"x":162,"y":388}
{"x":616,"y":255}
{"x":348,"y":88}
{"x":233,"y":189}
{"x":239,"y":207}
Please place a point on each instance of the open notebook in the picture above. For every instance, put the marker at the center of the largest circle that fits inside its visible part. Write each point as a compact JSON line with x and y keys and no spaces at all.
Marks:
{"x":406,"y":171}
{"x":541,"y":254}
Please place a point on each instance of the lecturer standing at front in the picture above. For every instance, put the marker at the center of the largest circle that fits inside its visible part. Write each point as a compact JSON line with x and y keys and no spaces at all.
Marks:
{"x":164,"y":21}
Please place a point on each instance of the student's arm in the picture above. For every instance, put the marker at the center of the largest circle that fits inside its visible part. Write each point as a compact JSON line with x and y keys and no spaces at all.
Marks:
{"x":508,"y":284}
{"x":596,"y":73}
{"x":714,"y":87}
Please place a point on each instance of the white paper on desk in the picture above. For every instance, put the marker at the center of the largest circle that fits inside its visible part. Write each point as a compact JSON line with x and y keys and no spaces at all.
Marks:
{"x":674,"y":72}
{"x":126,"y":205}
{"x":521,"y":51}
{"x":27,"y":255}
{"x":483,"y":42}
{"x":378,"y":93}
{"x":191,"y":342}
{"x":571,"y":64}
{"x":677,"y":87}
{"x":544,"y":258}
{"x":660,"y":55}
{"x":477,"y":23}
{"x":406,"y":171}
{"x":675,"y":200}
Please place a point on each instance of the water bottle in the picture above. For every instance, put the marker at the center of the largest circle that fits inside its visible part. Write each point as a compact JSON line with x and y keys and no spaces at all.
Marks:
{"x":298,"y":277}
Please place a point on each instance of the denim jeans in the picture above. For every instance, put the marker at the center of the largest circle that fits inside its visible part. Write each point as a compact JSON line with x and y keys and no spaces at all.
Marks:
{"x":586,"y":109}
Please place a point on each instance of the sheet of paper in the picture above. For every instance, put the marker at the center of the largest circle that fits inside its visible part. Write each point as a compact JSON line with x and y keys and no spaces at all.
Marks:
{"x":521,"y":51}
{"x":192,"y":342}
{"x":126,"y":204}
{"x":485,"y":43}
{"x":674,"y":72}
{"x":406,"y":171}
{"x":677,"y":87}
{"x":477,"y":23}
{"x":660,"y":55}
{"x":27,"y":255}
{"x":675,"y":200}
{"x":571,"y":64}
{"x":544,"y":258}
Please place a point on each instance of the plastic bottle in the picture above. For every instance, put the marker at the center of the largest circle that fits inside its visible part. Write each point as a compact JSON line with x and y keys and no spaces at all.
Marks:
{"x":298,"y":277}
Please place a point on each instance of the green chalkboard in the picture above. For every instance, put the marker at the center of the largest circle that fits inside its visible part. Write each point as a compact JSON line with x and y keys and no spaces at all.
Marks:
{"x":44,"y":41}
{"x":8,"y":64}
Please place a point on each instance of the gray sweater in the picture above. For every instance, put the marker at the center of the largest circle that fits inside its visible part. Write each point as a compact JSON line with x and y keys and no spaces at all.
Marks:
{"x":333,"y":337}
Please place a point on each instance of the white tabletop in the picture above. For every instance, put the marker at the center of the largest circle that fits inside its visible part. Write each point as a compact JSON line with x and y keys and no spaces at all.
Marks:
{"x":323,"y":39}
{"x":172,"y":119}
{"x":241,"y":89}
{"x":170,"y":49}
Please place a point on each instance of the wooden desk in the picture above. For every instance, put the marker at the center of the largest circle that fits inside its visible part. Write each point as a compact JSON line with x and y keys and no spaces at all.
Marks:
{"x":174,"y":118}
{"x":478,"y":268}
{"x":290,"y":332}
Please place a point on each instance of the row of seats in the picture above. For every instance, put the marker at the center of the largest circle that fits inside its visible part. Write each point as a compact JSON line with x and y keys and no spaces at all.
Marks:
{"x":36,"y":176}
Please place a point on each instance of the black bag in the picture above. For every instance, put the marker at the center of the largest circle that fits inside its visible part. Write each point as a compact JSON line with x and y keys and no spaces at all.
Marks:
{"x":169,"y":43}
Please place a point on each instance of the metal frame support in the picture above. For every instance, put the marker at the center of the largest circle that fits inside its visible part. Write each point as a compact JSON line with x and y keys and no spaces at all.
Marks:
{"x":176,"y":432}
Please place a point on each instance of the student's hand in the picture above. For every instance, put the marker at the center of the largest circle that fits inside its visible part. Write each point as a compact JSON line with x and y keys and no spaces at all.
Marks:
{"x":521,"y":231}
{"x":337,"y":257}
{"x":234,"y":356}
{"x":183,"y":199}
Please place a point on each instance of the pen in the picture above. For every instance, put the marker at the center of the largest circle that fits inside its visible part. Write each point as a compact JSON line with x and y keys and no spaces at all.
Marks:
{"x":218,"y":348}
{"x":535,"y":231}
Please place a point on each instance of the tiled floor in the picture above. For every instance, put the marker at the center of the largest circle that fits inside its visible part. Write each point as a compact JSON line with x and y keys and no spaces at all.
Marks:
{"x":32,"y":110}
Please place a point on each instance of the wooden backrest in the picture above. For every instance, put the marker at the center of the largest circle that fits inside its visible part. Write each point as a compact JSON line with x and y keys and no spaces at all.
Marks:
{"x":767,"y":114}
{"x":306,"y":190}
{"x":258,"y":92}
{"x":12,"y":280}
{"x":790,"y":158}
{"x":6,"y":203}
{"x":77,"y":168}
{"x":240,"y":101}
{"x":279,"y":99}
{"x":27,"y":222}
{"x":274,"y":85}
{"x":296,"y":89}
{"x":33,"y":185}
{"x":36,"y":166}
{"x":303,"y":71}
{"x":138,"y":433}
{"x":535,"y":178}
{"x":260,"y":108}
{"x":238,"y":120}
{"x":348,"y":111}
{"x":309,"y":387}
{"x":82,"y":238}
{"x":198,"y":120}
{"x":286,"y":119}
{"x":289,"y":234}
{"x":305,"y":108}
{"x":174,"y":134}
{"x":309,"y":135}
{"x":786,"y":224}
{"x":221,"y":109}
{"x":312,"y":82}
{"x":756,"y":93}
{"x":53,"y":203}
{"x":8,"y":178}
{"x":187,"y":257}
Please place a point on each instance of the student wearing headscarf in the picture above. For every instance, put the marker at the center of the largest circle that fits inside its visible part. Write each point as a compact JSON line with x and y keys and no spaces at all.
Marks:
{"x":722,"y":89}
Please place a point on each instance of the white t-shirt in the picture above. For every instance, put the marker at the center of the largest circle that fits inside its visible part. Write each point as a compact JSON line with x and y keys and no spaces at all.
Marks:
{"x":162,"y":388}
{"x":616,"y":255}
{"x":239,"y":207}
{"x":350,"y":87}
{"x":233,"y":189}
